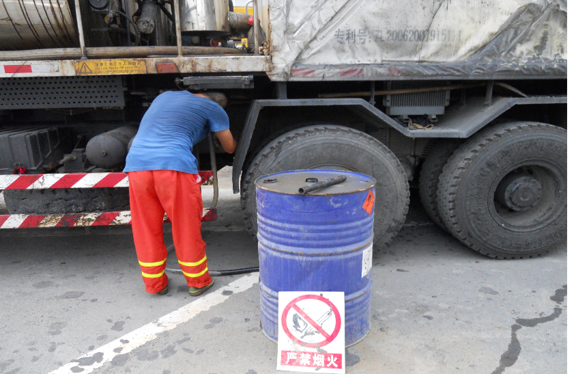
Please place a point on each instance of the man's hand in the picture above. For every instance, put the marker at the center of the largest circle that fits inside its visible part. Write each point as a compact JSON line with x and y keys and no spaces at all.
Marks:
{"x":225,"y":140}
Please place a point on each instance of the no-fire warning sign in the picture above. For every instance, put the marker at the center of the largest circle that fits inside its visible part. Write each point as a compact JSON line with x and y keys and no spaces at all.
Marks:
{"x":311,"y":332}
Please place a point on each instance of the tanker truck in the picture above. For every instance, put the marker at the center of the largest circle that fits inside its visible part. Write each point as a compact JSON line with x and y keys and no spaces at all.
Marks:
{"x":465,"y":100}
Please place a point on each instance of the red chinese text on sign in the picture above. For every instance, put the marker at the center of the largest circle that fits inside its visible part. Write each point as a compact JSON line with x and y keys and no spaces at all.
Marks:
{"x":312,"y":359}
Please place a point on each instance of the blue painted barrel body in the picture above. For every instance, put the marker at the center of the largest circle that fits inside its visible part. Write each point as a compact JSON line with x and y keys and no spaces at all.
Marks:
{"x":316,"y":242}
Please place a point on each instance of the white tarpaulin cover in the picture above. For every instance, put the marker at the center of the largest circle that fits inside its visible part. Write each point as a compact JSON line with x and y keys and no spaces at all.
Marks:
{"x":433,"y":39}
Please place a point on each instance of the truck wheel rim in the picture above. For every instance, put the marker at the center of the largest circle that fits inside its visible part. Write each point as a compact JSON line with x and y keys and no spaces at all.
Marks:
{"x":528,"y":196}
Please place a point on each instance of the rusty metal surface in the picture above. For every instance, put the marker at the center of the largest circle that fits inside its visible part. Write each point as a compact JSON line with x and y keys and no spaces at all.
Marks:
{"x":222,"y":64}
{"x":188,"y":64}
{"x":114,"y":52}
{"x":26,"y":24}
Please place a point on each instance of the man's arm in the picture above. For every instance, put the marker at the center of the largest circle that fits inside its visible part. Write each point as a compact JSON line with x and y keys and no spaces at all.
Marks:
{"x":226,"y":139}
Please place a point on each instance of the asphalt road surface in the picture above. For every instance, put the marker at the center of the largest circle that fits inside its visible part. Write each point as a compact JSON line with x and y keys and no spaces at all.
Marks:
{"x":73,"y":301}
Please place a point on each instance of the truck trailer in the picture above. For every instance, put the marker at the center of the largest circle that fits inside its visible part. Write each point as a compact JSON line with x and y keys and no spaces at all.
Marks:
{"x":464,"y":99}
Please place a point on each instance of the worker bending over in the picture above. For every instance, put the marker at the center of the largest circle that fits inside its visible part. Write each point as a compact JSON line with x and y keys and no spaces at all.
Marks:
{"x":163,"y":177}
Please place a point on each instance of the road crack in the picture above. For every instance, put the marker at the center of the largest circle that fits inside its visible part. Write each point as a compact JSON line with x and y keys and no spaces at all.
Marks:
{"x":511,"y":355}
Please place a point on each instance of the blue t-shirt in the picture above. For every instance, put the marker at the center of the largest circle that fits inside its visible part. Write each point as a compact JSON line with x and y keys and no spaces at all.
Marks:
{"x":175,"y":121}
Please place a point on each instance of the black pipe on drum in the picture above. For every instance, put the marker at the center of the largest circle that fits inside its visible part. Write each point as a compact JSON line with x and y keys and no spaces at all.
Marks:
{"x":110,"y":149}
{"x":319,"y":185}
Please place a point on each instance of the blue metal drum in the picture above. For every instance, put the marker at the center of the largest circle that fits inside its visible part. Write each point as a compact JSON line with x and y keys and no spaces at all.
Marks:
{"x":319,"y":241}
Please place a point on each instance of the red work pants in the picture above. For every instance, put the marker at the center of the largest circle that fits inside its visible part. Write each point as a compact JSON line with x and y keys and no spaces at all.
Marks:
{"x":153,"y":193}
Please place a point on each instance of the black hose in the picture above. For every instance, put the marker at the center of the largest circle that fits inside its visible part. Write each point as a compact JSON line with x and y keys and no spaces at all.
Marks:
{"x":138,"y":33}
{"x":215,"y":273}
{"x":220,"y":273}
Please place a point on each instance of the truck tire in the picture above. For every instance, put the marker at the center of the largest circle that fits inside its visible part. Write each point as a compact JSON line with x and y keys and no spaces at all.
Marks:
{"x":430,"y":174}
{"x":66,"y":201}
{"x":334,"y":147}
{"x":503,"y":192}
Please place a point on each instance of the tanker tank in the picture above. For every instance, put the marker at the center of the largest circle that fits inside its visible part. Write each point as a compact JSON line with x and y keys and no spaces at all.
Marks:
{"x":30,"y":24}
{"x":36,"y":25}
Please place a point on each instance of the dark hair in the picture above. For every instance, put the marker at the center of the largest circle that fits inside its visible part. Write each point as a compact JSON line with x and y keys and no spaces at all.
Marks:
{"x":218,"y":97}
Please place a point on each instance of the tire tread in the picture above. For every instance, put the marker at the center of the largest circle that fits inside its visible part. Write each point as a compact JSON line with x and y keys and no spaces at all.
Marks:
{"x":455,"y":169}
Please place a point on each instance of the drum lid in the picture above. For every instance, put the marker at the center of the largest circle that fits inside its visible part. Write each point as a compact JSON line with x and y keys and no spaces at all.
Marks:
{"x":290,"y":182}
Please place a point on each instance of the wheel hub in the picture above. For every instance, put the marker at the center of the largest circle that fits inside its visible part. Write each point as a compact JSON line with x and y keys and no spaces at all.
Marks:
{"x":519,"y":192}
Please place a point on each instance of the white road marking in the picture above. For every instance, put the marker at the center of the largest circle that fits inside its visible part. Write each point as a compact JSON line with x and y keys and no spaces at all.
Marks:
{"x":168,"y":322}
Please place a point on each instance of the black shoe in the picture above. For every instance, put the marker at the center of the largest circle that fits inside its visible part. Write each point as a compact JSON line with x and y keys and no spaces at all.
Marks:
{"x":194,"y":291}
{"x":163,"y":291}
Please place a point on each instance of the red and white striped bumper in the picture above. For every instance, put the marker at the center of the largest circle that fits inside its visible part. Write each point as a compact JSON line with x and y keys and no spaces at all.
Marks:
{"x":73,"y":180}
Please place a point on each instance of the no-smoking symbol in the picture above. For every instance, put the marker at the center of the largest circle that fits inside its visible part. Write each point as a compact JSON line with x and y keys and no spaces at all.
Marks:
{"x":311,"y":321}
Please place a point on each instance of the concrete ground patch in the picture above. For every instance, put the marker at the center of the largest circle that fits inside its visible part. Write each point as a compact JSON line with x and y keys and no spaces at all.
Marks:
{"x":437,"y":307}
